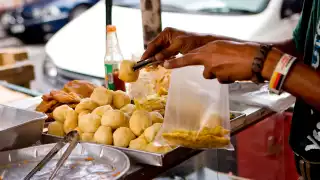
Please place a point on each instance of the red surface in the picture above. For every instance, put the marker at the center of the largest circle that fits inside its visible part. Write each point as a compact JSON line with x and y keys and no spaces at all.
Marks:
{"x":262,"y":159}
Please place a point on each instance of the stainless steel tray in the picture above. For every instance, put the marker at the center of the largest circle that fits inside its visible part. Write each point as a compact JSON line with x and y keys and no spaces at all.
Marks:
{"x":19,"y":128}
{"x":87,"y":161}
{"x":142,"y":156}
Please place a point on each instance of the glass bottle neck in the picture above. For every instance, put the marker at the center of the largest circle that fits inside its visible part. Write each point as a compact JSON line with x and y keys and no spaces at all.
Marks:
{"x":112,"y":46}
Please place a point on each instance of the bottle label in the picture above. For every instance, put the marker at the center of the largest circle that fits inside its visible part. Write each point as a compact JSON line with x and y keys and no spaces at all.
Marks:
{"x":109,"y":76}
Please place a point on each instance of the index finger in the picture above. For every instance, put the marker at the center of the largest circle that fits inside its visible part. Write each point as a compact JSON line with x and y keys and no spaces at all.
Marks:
{"x":190,"y":59}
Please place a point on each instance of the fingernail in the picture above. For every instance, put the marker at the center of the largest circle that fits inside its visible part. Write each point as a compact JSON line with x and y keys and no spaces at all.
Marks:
{"x":166,"y":64}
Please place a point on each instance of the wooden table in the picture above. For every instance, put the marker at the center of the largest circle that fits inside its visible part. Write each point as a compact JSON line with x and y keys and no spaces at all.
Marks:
{"x":20,"y":73}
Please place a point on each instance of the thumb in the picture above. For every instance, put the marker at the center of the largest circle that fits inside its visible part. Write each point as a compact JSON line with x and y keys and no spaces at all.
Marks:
{"x":190,"y":59}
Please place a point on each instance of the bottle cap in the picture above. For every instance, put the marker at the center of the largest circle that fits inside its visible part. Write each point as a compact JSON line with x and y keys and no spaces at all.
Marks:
{"x":111,"y":28}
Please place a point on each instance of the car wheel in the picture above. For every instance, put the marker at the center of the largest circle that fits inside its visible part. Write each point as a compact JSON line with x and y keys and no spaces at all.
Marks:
{"x":78,"y":11}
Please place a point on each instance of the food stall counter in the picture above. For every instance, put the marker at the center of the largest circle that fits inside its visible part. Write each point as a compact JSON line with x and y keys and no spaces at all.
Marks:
{"x":141,"y":171}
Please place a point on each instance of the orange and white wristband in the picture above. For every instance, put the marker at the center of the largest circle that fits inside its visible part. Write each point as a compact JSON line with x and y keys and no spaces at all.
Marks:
{"x":280,"y":73}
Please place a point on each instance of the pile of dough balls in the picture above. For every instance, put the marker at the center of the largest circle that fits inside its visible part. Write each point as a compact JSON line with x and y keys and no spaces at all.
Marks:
{"x":107,"y":117}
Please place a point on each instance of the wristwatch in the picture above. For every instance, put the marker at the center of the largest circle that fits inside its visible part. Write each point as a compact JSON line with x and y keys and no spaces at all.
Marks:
{"x":258,"y":62}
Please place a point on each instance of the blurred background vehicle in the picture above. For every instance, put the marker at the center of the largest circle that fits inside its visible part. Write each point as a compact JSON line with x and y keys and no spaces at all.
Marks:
{"x":76,"y":51}
{"x":37,"y":20}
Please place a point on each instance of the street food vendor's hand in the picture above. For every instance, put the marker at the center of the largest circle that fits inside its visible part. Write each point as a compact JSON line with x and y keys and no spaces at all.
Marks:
{"x":227,"y":61}
{"x":170,"y":42}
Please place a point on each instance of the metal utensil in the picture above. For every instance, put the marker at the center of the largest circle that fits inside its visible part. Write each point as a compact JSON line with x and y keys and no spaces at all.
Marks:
{"x":144,"y":63}
{"x":72,"y":138}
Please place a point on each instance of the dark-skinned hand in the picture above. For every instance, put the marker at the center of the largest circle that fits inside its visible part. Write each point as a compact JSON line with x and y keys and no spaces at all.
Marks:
{"x":227,"y":61}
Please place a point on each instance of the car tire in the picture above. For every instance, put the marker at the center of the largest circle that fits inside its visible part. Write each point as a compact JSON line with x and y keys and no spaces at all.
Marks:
{"x":77,"y":11}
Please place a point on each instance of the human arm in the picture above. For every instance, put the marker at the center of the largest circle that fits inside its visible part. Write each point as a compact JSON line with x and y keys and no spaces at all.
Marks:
{"x":302,"y":81}
{"x":172,"y":41}
{"x":230,"y":61}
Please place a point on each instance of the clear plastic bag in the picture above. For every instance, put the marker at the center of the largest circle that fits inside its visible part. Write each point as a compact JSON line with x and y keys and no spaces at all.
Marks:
{"x":197,"y":112}
{"x":261,"y":96}
{"x":149,"y":92}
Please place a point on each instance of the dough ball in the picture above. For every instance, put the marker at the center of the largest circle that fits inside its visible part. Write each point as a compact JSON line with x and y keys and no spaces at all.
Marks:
{"x":86,"y":104}
{"x":140,"y":143}
{"x":87,"y":137}
{"x":89,"y":123}
{"x":128,"y":109}
{"x":79,"y":131}
{"x":71,"y":121}
{"x":151,"y":147}
{"x":101,"y":110}
{"x":103,"y":135}
{"x":139,"y":121}
{"x":114,"y":119}
{"x":156,"y":117}
{"x":102,"y":96}
{"x":122,"y":137}
{"x":126,"y":73}
{"x":120,"y":99}
{"x":83,"y":113}
{"x":56,"y":128}
{"x":151,"y":132}
{"x":59,"y":113}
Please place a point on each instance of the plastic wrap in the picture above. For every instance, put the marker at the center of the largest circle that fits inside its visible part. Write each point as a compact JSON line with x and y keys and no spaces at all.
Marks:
{"x":261,"y":96}
{"x":197,"y":111}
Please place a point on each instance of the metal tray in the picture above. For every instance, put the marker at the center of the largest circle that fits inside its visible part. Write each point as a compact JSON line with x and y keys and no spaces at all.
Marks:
{"x":144,"y":157}
{"x":87,"y":161}
{"x":16,"y":125}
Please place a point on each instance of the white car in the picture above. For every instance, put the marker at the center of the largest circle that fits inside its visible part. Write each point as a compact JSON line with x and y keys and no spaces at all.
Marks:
{"x":77,"y":50}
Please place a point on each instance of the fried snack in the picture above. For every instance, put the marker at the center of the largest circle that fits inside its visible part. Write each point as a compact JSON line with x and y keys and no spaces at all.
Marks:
{"x":114,"y":119}
{"x":161,"y":80}
{"x":151,"y":103}
{"x":206,"y":138}
{"x":139,"y":121}
{"x":103,"y":135}
{"x":102,"y":96}
{"x":73,"y":106}
{"x":64,"y":97}
{"x":122,"y":137}
{"x":89,"y":123}
{"x":60,"y":113}
{"x":120,"y":99}
{"x":126,"y":73}
{"x":82,"y":88}
{"x":71,"y":121}
{"x":86,"y":104}
{"x":151,"y":132}
{"x":47,"y":97}
{"x":87,"y":137}
{"x":162,"y":91}
{"x":139,"y":143}
{"x":156,"y":117}
{"x":56,"y":128}
{"x":45,"y":106}
{"x":83,"y":113}
{"x":128,"y":109}
{"x":101,"y":110}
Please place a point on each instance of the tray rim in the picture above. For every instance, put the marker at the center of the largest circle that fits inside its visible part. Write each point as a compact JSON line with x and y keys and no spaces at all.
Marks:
{"x":126,"y":170}
{"x":41,"y":116}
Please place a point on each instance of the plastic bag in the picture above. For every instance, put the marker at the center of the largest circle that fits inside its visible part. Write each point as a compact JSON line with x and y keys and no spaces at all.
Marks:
{"x":262,"y":97}
{"x":197,"y":111}
{"x":150,"y":91}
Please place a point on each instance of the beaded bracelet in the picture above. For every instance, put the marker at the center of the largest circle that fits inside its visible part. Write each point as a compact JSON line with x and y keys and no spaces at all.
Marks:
{"x":258,"y":62}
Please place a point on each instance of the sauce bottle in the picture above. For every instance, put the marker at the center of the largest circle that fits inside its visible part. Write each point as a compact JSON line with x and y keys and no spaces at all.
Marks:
{"x":112,"y":61}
